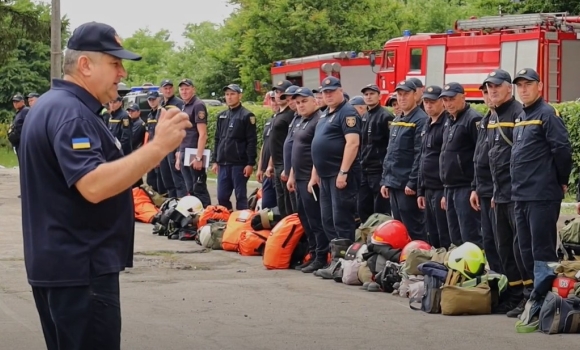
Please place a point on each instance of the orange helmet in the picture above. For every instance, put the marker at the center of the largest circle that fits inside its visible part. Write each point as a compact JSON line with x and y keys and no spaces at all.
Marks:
{"x":391,"y":232}
{"x":413,"y":245}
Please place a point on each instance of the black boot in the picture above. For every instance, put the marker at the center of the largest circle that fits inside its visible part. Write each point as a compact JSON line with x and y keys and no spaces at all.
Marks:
{"x":315,"y":266}
{"x":338,"y":248}
{"x":303,"y":265}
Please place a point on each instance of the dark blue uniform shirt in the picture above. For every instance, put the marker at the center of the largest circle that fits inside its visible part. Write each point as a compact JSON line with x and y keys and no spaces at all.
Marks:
{"x":541,"y":159}
{"x":120,"y":127}
{"x":138,"y":129}
{"x":432,"y":136}
{"x":172,"y":102}
{"x":302,"y":146}
{"x":329,"y":139}
{"x":266,"y":144}
{"x":197,"y":112}
{"x":67,"y":239}
{"x":235,"y":138}
{"x":288,"y":142}
{"x":482,"y":182}
{"x":279,"y":131}
{"x":401,"y":165}
{"x":375,"y":139}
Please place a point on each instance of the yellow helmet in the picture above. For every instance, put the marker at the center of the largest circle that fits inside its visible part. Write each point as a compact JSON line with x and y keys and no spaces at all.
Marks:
{"x":468,"y":260}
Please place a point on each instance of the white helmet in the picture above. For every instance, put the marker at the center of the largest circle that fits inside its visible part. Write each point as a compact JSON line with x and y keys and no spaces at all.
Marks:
{"x":189,"y":205}
{"x":259,"y":204}
{"x":205,"y":236}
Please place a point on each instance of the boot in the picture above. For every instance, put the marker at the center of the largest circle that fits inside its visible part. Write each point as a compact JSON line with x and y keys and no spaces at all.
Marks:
{"x":314,"y":267}
{"x":365,"y":285}
{"x":373,"y":287}
{"x":304,"y":265}
{"x":338,"y":247}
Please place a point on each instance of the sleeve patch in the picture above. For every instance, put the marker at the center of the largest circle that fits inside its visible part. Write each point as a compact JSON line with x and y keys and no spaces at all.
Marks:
{"x":253,"y":119}
{"x":81,"y":143}
{"x":201,"y":114}
{"x":351,"y":122}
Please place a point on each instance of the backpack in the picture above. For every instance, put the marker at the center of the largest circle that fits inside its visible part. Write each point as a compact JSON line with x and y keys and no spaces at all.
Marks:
{"x":266,"y":219}
{"x":389,"y":276}
{"x":156,"y":198}
{"x":560,"y":315}
{"x":283,"y":240}
{"x":570,"y":238}
{"x":252,"y":243}
{"x":213,"y":212}
{"x":433,"y":280}
{"x":364,"y":231}
{"x":237,"y":222}
{"x":210,"y":235}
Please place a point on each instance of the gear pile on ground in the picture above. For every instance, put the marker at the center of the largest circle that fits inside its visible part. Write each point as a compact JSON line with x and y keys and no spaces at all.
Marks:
{"x":384,"y":259}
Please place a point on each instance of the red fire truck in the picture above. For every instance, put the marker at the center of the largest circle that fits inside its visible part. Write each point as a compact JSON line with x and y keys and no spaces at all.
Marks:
{"x":546,"y":42}
{"x":352,"y":68}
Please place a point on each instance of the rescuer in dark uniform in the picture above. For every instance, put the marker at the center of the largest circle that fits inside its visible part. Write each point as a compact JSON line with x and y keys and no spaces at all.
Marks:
{"x":456,"y":166}
{"x":400,"y":176}
{"x":482,"y":189}
{"x":234,"y":154}
{"x":154,"y":178}
{"x":430,"y":189}
{"x":420,"y":90}
{"x":500,"y":139}
{"x":287,"y":147}
{"x":137,"y":131}
{"x":376,"y":122}
{"x":32,"y":98}
{"x":319,"y":99}
{"x":278,"y":133}
{"x":268,"y":190}
{"x":16,"y":128}
{"x":301,"y":170}
{"x":169,"y":173}
{"x":120,"y":125}
{"x":540,"y":166}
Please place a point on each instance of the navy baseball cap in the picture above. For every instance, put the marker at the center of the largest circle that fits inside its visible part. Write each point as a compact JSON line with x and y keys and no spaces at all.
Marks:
{"x":99,"y":37}
{"x":289,"y":92}
{"x":330,"y":84}
{"x":303,"y":92}
{"x":372,"y":87}
{"x":418,"y":83}
{"x":33,"y":94}
{"x":17,"y":98}
{"x":187,"y":82}
{"x":152,"y":95}
{"x":133,"y":107}
{"x":357,"y":101}
{"x":317,"y":90}
{"x":432,"y":92}
{"x":527,"y":74}
{"x":233,"y":87}
{"x":406,"y":85}
{"x":282,"y":85}
{"x":498,"y":77}
{"x":166,"y":82}
{"x":452,"y":89}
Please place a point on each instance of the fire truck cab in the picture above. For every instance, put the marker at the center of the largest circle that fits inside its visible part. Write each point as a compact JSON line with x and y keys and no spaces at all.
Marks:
{"x":351,"y":67}
{"x":546,"y":42}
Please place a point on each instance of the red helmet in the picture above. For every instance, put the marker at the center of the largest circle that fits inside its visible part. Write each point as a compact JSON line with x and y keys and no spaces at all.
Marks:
{"x":413,"y":245}
{"x":563,"y":286}
{"x":391,"y":232}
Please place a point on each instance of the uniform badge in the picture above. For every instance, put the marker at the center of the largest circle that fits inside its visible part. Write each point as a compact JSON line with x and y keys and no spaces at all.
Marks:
{"x":327,"y":81}
{"x":253,"y":120}
{"x":280,"y":82}
{"x":81,"y":143}
{"x":350,"y":121}
{"x":447,"y":87}
{"x":430,"y":89}
{"x":402,"y":82}
{"x":492,"y":74}
{"x":201,"y":114}
{"x":523,"y":71}
{"x":125,"y":122}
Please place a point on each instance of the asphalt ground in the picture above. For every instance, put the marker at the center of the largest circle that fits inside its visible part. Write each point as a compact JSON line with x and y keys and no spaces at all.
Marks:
{"x":180,"y":297}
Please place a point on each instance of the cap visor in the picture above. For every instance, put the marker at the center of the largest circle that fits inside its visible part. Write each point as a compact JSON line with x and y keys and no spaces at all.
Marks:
{"x":431,"y":97}
{"x":300,"y":95}
{"x":124,"y":55}
{"x":188,"y":84}
{"x":404,"y":88}
{"x":229,"y":88}
{"x":330,"y":88}
{"x":494,"y":81}
{"x":448,"y":94}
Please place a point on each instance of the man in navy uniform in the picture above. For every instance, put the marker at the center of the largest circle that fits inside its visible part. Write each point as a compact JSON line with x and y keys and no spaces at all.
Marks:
{"x":120,"y":125}
{"x":337,"y":169}
{"x":137,"y":126}
{"x":268,"y":190}
{"x":154,"y":176}
{"x":32,"y":98}
{"x":540,"y":167}
{"x":75,"y":247}
{"x":15,"y":129}
{"x":194,"y":172}
{"x":400,"y":178}
{"x":235,"y":145}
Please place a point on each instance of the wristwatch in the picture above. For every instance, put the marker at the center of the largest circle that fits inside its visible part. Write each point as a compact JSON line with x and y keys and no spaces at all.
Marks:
{"x":198,"y":159}
{"x":342,"y":172}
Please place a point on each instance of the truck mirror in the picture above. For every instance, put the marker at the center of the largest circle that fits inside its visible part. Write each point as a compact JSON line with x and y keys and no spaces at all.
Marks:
{"x":373,"y":58}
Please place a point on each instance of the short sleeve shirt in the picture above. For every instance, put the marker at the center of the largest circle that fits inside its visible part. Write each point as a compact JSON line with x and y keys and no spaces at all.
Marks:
{"x":329,"y":139}
{"x":67,"y":239}
{"x":197,"y":112}
{"x":301,"y":147}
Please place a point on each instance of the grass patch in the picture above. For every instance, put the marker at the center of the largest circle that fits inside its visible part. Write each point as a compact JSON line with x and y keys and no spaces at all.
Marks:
{"x":8,"y":158}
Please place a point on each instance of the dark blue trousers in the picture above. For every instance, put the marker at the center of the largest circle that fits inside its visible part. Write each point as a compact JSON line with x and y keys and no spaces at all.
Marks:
{"x":195,"y":182}
{"x":311,"y":219}
{"x":231,"y":179}
{"x":169,"y":173}
{"x":536,"y":224}
{"x":406,"y":210}
{"x":338,"y":208}
{"x":81,"y":318}
{"x":370,"y":200}
{"x":436,"y":219}
{"x":286,"y":200}
{"x":268,"y":193}
{"x":464,"y":222}
{"x":166,"y":177}
{"x":488,"y":236}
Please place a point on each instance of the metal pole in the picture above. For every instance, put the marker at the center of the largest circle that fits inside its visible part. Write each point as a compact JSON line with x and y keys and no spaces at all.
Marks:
{"x":55,"y":41}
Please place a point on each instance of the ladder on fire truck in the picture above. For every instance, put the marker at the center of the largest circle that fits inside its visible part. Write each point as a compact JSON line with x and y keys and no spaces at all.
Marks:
{"x":556,"y":20}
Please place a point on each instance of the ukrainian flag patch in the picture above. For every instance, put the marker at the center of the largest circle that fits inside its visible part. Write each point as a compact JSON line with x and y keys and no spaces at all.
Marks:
{"x":81,"y":143}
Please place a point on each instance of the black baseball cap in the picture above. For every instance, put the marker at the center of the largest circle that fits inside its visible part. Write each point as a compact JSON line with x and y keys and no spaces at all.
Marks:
{"x":166,"y":82}
{"x":357,"y":101}
{"x":527,"y":74}
{"x":133,"y":107}
{"x":99,"y":37}
{"x":289,"y":91}
{"x":187,"y":82}
{"x":317,"y":90}
{"x":302,"y":92}
{"x":282,"y":85}
{"x":233,"y":87}
{"x":372,"y":87}
{"x":452,"y":89}
{"x":330,"y":84}
{"x":497,"y":77}
{"x":17,"y":98}
{"x":33,"y":94}
{"x":418,"y":83}
{"x":152,"y":95}
{"x":406,"y":85}
{"x":432,"y":92}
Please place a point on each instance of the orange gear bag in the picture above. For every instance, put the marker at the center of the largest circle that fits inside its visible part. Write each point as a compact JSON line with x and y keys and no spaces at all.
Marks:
{"x":238,"y":222}
{"x":252,"y":243}
{"x":213,"y":212}
{"x":283,"y":239}
{"x":145,"y":210}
